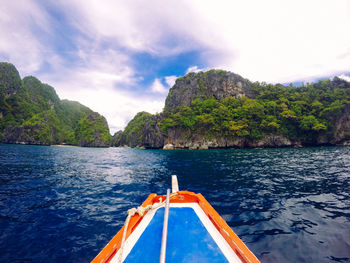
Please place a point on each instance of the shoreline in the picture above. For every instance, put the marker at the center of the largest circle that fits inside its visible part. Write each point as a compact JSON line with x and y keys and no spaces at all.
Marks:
{"x":64,"y":145}
{"x":188,"y":148}
{"x":232,"y":148}
{"x":49,"y":145}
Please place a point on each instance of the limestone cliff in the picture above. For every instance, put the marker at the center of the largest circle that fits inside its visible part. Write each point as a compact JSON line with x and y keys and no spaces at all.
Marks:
{"x":132,"y":135}
{"x":26,"y":134}
{"x":142,"y":131}
{"x":32,"y":113}
{"x":341,"y":130}
{"x":220,"y":109}
{"x":152,"y":136}
{"x":93,"y":131}
{"x":213,"y":83}
{"x":10,"y":80}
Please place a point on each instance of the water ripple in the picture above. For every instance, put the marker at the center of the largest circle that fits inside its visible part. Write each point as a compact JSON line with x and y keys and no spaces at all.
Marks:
{"x":67,"y":203}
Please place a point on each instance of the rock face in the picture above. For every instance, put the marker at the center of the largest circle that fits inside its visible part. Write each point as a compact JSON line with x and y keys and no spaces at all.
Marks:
{"x":152,"y":136}
{"x":116,"y":138}
{"x":168,"y":146}
{"x":10,"y":81}
{"x":272,"y":141}
{"x":341,"y":129}
{"x":133,"y":134}
{"x":142,"y":131}
{"x":214,"y":83}
{"x":23,"y":135}
{"x":178,"y":139}
{"x":93,"y":131}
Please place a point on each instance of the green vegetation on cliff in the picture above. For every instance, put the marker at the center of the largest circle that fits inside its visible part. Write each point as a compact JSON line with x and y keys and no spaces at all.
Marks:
{"x":220,"y":109}
{"x":31,"y":112}
{"x":294,"y":112}
{"x":132,"y":134}
{"x":91,"y":131}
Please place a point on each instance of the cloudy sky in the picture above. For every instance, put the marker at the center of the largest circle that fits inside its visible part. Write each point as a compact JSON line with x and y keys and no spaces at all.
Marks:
{"x":121,"y":57}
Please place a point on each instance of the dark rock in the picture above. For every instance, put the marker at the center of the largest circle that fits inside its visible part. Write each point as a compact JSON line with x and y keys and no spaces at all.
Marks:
{"x":152,"y":136}
{"x":142,"y":131}
{"x":95,"y":132}
{"x":10,"y":81}
{"x":180,"y":139}
{"x":135,"y":132}
{"x":271,"y":141}
{"x":341,"y":129}
{"x":40,"y":92}
{"x":23,"y":135}
{"x":116,"y":138}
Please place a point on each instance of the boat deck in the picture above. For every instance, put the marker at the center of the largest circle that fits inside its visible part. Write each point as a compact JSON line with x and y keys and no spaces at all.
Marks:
{"x":192,"y":237}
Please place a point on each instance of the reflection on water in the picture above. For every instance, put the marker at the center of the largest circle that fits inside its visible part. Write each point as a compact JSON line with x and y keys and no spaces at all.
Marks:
{"x":287,"y":205}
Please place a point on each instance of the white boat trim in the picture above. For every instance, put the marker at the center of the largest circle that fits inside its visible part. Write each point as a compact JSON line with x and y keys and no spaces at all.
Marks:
{"x":174,"y":184}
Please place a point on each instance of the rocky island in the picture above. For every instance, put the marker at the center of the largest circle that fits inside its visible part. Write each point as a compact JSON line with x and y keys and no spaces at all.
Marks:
{"x":32,"y":113}
{"x":220,"y":109}
{"x":204,"y":110}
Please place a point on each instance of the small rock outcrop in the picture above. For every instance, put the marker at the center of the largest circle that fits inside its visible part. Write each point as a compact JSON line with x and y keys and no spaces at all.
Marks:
{"x":152,"y":136}
{"x":116,"y":138}
{"x":133,"y":134}
{"x":271,"y":141}
{"x":178,"y":139}
{"x":341,"y":129}
{"x":10,"y":81}
{"x":25,"y":135}
{"x":143,"y":131}
{"x":93,"y":131}
{"x":168,"y":146}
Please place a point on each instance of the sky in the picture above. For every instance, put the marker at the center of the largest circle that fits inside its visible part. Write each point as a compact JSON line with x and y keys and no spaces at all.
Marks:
{"x":119,"y":57}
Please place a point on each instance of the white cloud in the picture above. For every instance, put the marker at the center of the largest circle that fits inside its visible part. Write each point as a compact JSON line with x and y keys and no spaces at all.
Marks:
{"x":170,"y":80}
{"x":278,"y":41}
{"x":156,"y":27}
{"x":118,"y":107}
{"x":158,"y":87}
{"x":194,"y":69}
{"x":18,"y":43}
{"x":97,"y":83}
{"x":344,"y":77}
{"x":99,"y":92}
{"x":272,"y":40}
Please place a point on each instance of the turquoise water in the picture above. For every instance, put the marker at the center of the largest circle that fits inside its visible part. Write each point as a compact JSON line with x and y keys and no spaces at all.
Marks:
{"x":65,"y":203}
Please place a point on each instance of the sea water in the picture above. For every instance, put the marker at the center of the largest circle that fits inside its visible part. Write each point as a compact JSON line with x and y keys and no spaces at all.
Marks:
{"x":64,"y":204}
